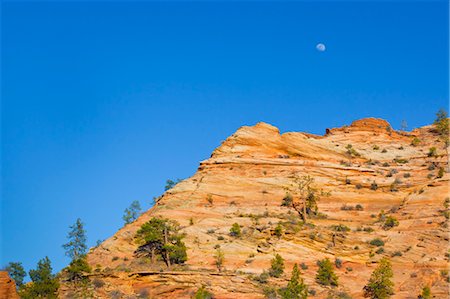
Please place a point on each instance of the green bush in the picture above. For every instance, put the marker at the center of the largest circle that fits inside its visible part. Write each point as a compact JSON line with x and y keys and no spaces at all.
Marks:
{"x":277,"y":266}
{"x":426,"y":293}
{"x":380,"y":285}
{"x":415,"y":141}
{"x":278,"y":230}
{"x":440,"y":172}
{"x":235,"y":230}
{"x":77,"y":269}
{"x":296,"y":288}
{"x":203,"y":293}
{"x":390,"y":222}
{"x":432,"y":152}
{"x":377,"y":242}
{"x":374,"y":186}
{"x":287,"y":200}
{"x":325,"y":274}
{"x":43,"y":283}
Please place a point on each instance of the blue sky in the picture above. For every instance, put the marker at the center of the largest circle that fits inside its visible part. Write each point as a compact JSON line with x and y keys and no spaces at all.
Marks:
{"x":104,"y":101}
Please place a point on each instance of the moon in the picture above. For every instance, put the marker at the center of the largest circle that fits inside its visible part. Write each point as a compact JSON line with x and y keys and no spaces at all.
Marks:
{"x":321,"y":47}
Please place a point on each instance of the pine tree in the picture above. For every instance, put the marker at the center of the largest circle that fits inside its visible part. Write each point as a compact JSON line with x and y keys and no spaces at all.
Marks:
{"x":325,"y":273}
{"x":132,"y":212}
{"x":277,"y":266}
{"x":16,"y":272}
{"x":296,"y":288}
{"x":380,"y":285}
{"x":43,"y":283}
{"x":76,"y":247}
{"x":161,"y":236}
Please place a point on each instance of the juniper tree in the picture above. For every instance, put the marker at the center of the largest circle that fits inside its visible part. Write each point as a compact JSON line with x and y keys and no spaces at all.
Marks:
{"x":325,"y":273}
{"x":76,"y":246}
{"x":132,"y":212}
{"x":16,"y":272}
{"x":277,"y":266}
{"x":43,"y":283}
{"x":380,"y":285}
{"x":296,"y":288}
{"x":161,"y":236}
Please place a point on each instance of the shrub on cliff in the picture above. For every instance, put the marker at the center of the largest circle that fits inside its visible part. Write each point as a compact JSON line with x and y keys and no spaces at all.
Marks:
{"x":380,"y":285}
{"x":132,"y":212}
{"x":161,"y":236}
{"x":203,"y":293}
{"x":235,"y":230}
{"x":16,"y":272}
{"x":325,"y":274}
{"x":296,"y":288}
{"x":43,"y":283}
{"x":277,"y":266}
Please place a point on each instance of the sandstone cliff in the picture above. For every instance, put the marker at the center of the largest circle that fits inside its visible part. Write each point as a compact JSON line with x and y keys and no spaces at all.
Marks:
{"x":7,"y":287}
{"x":244,"y":180}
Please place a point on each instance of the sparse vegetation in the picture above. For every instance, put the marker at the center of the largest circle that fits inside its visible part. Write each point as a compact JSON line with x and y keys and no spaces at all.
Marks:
{"x":277,"y":266}
{"x":377,"y":242}
{"x":415,"y":141}
{"x":203,"y":293}
{"x":161,"y":236}
{"x":43,"y":283}
{"x":16,"y":272}
{"x":338,"y":263}
{"x":442,"y":126}
{"x":278,"y":230}
{"x":219,"y":259}
{"x":296,"y":288}
{"x":374,"y":186}
{"x":390,"y":222}
{"x":426,"y":293}
{"x":432,"y":152}
{"x":380,"y":285}
{"x":325,"y":274}
{"x":235,"y":230}
{"x":132,"y":212}
{"x":170,"y":184}
{"x":440,"y":172}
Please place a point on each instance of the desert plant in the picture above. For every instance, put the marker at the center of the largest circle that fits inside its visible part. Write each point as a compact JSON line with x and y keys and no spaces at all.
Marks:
{"x":415,"y":141}
{"x":377,"y":242}
{"x":161,"y":236}
{"x":380,"y":285}
{"x":132,"y":212}
{"x":277,"y":266}
{"x":325,"y":274}
{"x":440,"y":172}
{"x":219,"y":259}
{"x":338,"y":263}
{"x":203,"y":293}
{"x":296,"y":288}
{"x":359,"y":207}
{"x":278,"y":230}
{"x":426,"y":293}
{"x":442,"y":126}
{"x":16,"y":272}
{"x":76,"y":246}
{"x":43,"y":283}
{"x":374,"y":186}
{"x":235,"y":230}
{"x":390,"y":222}
{"x":432,"y":152}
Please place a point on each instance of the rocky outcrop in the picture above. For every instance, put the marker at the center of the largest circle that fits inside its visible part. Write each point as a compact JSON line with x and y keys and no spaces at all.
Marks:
{"x":245,"y":181}
{"x":7,"y":287}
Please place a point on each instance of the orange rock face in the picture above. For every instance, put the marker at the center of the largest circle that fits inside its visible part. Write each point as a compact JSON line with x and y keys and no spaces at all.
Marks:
{"x":244,"y":182}
{"x":7,"y":287}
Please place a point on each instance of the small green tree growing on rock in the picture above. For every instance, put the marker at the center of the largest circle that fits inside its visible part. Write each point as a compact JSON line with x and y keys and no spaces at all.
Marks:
{"x":43,"y":283}
{"x":277,"y":266}
{"x":442,"y":126}
{"x":220,"y":259}
{"x":306,"y":196}
{"x":325,"y":274}
{"x":380,"y":285}
{"x":203,"y":293}
{"x":426,"y":293}
{"x":132,"y":212}
{"x":16,"y":272}
{"x":296,"y":288}
{"x":235,"y":230}
{"x":76,"y":246}
{"x":161,"y":236}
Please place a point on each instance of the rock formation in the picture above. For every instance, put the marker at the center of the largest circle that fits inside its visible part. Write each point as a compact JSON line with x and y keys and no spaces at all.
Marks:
{"x":7,"y":287}
{"x":380,"y":175}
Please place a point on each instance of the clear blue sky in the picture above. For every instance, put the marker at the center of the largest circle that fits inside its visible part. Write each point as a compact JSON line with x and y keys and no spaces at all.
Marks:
{"x":102,"y":102}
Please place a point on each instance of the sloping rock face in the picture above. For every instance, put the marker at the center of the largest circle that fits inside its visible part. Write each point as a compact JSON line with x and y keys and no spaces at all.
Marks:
{"x":245,"y":181}
{"x":7,"y":287}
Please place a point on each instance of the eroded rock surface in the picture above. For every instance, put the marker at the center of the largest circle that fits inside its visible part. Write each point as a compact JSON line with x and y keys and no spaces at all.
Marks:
{"x":245,"y":178}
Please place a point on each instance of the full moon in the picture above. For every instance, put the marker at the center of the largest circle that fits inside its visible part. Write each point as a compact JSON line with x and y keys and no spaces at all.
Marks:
{"x":320,"y":47}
